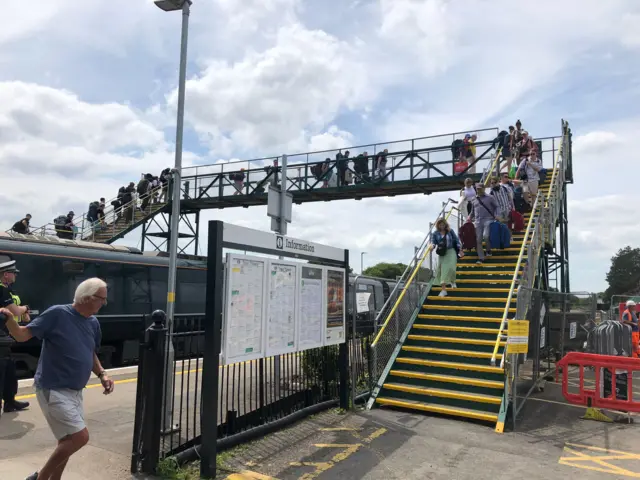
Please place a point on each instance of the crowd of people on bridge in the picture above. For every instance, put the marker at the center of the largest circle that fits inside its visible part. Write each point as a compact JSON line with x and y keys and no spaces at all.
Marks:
{"x":149,"y":190}
{"x":490,"y":215}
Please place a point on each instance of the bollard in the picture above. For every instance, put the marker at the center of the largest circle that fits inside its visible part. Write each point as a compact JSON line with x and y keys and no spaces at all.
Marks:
{"x":152,"y":390}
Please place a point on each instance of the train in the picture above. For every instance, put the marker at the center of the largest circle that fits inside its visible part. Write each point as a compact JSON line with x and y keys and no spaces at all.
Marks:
{"x":51,"y":269}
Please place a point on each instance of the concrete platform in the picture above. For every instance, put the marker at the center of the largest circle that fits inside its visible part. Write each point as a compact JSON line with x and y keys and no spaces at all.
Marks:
{"x":384,"y":444}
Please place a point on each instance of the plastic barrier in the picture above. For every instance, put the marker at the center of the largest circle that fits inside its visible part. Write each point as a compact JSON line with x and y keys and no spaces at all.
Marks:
{"x":594,"y":397}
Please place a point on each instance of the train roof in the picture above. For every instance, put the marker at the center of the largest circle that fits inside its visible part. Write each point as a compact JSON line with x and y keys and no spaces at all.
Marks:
{"x":54,"y":246}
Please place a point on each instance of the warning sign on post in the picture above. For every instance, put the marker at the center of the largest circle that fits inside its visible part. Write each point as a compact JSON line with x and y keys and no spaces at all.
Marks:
{"x":518,"y":336}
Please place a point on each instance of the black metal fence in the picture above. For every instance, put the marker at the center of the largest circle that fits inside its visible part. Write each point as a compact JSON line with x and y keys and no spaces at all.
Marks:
{"x":254,"y":397}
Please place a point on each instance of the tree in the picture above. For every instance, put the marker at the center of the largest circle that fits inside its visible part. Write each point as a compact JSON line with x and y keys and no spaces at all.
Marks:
{"x":385,"y":270}
{"x":624,"y":274}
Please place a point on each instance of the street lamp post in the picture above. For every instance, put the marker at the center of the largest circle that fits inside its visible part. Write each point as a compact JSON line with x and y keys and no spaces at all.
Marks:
{"x":362,"y":254}
{"x":184,"y":7}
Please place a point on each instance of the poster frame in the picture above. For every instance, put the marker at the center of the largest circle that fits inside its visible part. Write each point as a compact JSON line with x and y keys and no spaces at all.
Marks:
{"x":296,"y":317}
{"x":226,"y":359}
{"x":309,"y":346}
{"x":343,"y":339}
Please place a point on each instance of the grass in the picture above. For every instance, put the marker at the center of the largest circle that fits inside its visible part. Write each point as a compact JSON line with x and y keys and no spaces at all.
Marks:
{"x":168,"y":469}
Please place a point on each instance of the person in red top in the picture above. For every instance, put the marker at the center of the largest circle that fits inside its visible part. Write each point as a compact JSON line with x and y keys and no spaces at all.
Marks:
{"x":630,"y":318}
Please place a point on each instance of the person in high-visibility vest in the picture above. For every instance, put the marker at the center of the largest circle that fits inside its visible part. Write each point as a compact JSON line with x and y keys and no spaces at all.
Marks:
{"x":630,"y":318}
{"x":10,"y":301}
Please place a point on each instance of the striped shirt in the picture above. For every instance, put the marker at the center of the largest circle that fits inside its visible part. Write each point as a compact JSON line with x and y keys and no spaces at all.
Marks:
{"x":504,"y":198}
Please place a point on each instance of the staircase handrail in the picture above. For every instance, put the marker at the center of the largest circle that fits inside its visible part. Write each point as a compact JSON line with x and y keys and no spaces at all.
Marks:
{"x":486,"y":175}
{"x":545,"y":204}
{"x":426,"y":248}
{"x":514,"y":280}
{"x":110,"y":213}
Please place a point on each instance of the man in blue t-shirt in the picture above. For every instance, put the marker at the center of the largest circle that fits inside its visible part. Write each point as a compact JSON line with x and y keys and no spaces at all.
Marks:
{"x":70,"y":337}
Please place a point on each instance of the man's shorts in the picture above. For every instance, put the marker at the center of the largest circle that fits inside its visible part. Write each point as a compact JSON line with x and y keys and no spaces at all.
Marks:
{"x":531,"y":187}
{"x":63,"y":409}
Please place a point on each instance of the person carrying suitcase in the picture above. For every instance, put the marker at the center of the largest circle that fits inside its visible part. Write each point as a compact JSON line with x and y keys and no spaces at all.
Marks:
{"x":485,"y":210}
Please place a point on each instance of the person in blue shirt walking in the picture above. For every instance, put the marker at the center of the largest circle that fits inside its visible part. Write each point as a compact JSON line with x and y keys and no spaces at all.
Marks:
{"x":447,"y":246}
{"x":70,"y":337}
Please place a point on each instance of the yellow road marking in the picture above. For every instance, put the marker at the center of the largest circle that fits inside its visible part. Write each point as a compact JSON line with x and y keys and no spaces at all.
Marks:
{"x":339,"y":429}
{"x":580,"y":459}
{"x":348,"y":449}
{"x":248,"y":475}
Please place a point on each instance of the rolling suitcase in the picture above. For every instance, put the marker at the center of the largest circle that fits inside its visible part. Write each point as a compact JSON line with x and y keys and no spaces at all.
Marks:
{"x":499,"y":236}
{"x":467,"y":236}
{"x":516,"y":221}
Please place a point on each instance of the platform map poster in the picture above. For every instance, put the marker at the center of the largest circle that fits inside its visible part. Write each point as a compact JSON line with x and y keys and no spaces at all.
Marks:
{"x":281,"y":316}
{"x":244,"y":309}
{"x":335,"y":317}
{"x":311,"y":318}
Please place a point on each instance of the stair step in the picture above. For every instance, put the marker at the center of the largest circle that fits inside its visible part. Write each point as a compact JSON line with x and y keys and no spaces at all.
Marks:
{"x":470,"y":367}
{"x":468,"y":309}
{"x":449,"y":352}
{"x":485,"y":265}
{"x":501,"y":257}
{"x":438,"y":377}
{"x":470,"y":299}
{"x":444,"y":393}
{"x":474,"y":290}
{"x":480,"y":272}
{"x":473,"y":253}
{"x":427,"y":407}
{"x":457,"y":340}
{"x":428,"y":316}
{"x":483,"y":281}
{"x":450,"y":328}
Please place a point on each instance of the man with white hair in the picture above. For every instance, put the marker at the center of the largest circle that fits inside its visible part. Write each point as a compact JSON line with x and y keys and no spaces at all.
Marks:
{"x":70,"y":337}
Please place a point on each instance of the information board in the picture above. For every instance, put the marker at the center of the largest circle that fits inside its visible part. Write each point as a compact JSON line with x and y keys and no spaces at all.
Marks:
{"x":311,"y":299}
{"x":244,"y":313}
{"x":281,"y":328}
{"x":335,"y":313}
{"x":518,"y":336}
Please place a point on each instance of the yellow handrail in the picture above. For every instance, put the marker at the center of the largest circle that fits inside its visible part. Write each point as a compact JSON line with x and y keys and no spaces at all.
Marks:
{"x":520,"y":257}
{"x":404,"y":290}
{"x":514,"y":279}
{"x":495,"y":160}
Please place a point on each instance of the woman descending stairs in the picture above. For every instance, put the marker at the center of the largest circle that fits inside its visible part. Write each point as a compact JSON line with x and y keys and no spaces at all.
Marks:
{"x":444,"y":366}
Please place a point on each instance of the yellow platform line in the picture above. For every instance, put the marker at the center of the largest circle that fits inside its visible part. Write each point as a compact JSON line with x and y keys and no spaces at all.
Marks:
{"x":452,"y":365}
{"x":467,"y":309}
{"x":435,"y":377}
{"x":488,"y":417}
{"x":446,"y":351}
{"x":436,"y":392}
{"x":430,"y":316}
{"x":470,"y":299}
{"x":461,"y":340}
{"x":478,"y":281}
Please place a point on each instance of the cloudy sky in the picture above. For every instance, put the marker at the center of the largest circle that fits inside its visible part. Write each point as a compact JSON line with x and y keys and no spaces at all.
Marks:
{"x":88,"y":95}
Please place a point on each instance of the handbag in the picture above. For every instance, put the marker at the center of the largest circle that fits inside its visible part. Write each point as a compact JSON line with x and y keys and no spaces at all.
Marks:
{"x":460,"y":167}
{"x":441,"y":248}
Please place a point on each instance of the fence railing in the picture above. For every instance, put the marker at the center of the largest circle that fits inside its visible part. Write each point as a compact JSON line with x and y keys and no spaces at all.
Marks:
{"x":404,"y":302}
{"x":251,"y":395}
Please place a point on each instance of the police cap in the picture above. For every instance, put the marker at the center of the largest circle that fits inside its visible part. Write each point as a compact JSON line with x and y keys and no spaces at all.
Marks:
{"x":9,"y":267}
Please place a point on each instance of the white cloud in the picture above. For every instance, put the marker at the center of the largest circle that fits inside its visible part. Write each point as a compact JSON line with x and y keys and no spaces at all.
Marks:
{"x":264,"y":100}
{"x":265,"y":77}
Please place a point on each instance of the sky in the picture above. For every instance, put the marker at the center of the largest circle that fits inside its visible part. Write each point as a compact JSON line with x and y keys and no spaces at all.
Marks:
{"x":88,"y":94}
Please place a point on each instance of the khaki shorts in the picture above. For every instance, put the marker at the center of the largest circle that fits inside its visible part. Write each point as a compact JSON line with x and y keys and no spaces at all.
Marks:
{"x":63,"y":409}
{"x":531,"y":187}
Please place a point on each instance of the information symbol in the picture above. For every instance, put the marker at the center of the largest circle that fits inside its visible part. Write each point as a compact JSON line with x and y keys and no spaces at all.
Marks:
{"x":279,"y":243}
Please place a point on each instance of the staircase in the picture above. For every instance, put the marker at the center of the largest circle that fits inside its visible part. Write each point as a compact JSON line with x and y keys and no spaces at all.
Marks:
{"x":444,"y":365}
{"x":114,"y":228}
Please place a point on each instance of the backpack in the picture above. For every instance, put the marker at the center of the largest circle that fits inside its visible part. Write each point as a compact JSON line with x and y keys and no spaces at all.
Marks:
{"x":60,"y":221}
{"x":456,"y":146}
{"x":143,"y":186}
{"x":316,"y":171}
